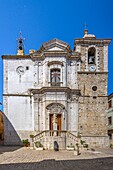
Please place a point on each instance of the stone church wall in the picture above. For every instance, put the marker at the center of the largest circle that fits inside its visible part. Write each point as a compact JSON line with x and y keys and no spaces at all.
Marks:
{"x":14,"y":83}
{"x":19,"y":120}
{"x":92,"y":117}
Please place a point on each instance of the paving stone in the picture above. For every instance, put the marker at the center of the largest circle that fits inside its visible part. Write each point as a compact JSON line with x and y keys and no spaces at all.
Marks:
{"x":15,"y":158}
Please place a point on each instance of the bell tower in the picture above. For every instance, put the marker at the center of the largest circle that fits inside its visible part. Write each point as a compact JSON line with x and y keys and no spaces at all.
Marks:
{"x":20,"y":45}
{"x":92,"y":83}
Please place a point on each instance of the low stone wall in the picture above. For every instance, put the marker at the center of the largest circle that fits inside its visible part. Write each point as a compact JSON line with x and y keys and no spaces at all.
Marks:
{"x":12,"y":138}
{"x":96,"y":141}
{"x":48,"y":142}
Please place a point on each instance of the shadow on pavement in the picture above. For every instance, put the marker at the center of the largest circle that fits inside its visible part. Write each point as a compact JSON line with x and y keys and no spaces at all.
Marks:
{"x":9,"y":148}
{"x":84,"y":164}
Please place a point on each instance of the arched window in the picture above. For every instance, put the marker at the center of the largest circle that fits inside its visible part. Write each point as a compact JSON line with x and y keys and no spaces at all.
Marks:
{"x":91,"y":55}
{"x":55,"y":77}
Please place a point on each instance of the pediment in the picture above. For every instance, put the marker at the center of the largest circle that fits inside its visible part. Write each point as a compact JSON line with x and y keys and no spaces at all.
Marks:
{"x":55,"y":49}
{"x":51,"y":48}
{"x":55,"y":45}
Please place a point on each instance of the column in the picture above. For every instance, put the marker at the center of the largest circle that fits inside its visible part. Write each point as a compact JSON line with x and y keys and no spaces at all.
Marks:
{"x":36,"y":112}
{"x":74,"y":116}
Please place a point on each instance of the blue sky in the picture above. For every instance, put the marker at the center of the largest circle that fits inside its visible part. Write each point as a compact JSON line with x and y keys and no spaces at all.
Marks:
{"x":43,"y":20}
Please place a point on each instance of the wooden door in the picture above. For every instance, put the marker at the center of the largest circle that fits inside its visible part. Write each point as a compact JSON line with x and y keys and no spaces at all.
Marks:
{"x":51,"y":121}
{"x":59,"y":122}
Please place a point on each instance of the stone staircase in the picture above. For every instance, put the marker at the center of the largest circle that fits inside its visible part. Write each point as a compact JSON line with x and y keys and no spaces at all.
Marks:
{"x":48,"y":137}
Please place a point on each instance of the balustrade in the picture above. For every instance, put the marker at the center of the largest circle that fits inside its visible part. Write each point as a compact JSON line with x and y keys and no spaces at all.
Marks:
{"x":49,"y":135}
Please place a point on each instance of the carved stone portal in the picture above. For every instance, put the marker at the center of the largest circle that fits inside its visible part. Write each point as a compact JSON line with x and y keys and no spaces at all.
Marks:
{"x":55,"y":111}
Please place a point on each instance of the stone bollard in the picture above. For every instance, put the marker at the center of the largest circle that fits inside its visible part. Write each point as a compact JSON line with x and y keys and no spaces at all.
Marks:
{"x":76,"y":153}
{"x":31,"y":143}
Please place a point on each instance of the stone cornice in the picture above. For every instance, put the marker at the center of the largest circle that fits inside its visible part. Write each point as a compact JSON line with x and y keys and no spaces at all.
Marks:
{"x":55,"y":89}
{"x":42,"y":55}
{"x":92,"y":96}
{"x":68,"y":55}
{"x":110,"y":96}
{"x":90,"y":41}
{"x":89,"y":72}
{"x":55,"y":62}
{"x":16,"y":57}
{"x":11,"y":94}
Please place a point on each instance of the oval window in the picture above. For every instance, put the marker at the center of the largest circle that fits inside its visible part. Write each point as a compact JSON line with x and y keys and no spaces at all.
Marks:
{"x":94,"y":88}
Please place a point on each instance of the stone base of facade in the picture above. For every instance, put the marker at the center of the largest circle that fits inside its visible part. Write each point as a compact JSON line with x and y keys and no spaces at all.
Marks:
{"x":63,"y":140}
{"x":96,"y":141}
{"x":48,"y":142}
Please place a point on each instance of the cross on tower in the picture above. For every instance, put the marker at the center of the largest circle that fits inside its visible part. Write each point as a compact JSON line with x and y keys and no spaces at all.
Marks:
{"x":85,"y":26}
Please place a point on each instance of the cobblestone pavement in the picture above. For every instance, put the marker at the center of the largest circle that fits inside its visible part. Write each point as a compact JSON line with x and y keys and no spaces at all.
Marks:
{"x":15,"y":158}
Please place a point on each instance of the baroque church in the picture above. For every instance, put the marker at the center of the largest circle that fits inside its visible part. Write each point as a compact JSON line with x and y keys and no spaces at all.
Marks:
{"x":56,"y":93}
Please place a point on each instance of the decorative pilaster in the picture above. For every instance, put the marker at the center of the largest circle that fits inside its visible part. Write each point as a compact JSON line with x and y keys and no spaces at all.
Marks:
{"x":74,"y":114}
{"x":36,"y":73}
{"x":36,"y":113}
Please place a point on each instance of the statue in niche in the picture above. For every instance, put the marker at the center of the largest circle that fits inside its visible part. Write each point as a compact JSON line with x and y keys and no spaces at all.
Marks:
{"x":55,"y":119}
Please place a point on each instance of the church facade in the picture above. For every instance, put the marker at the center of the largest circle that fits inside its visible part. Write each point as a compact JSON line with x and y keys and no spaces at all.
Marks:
{"x":56,"y":93}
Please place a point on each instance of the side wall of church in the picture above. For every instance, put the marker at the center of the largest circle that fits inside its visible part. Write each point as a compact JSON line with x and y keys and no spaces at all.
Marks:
{"x":19,"y":115}
{"x":19,"y":84}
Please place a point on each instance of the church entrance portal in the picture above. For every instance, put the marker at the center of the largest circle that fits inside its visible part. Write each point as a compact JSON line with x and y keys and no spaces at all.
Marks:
{"x":56,"y":112}
{"x":55,"y":123}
